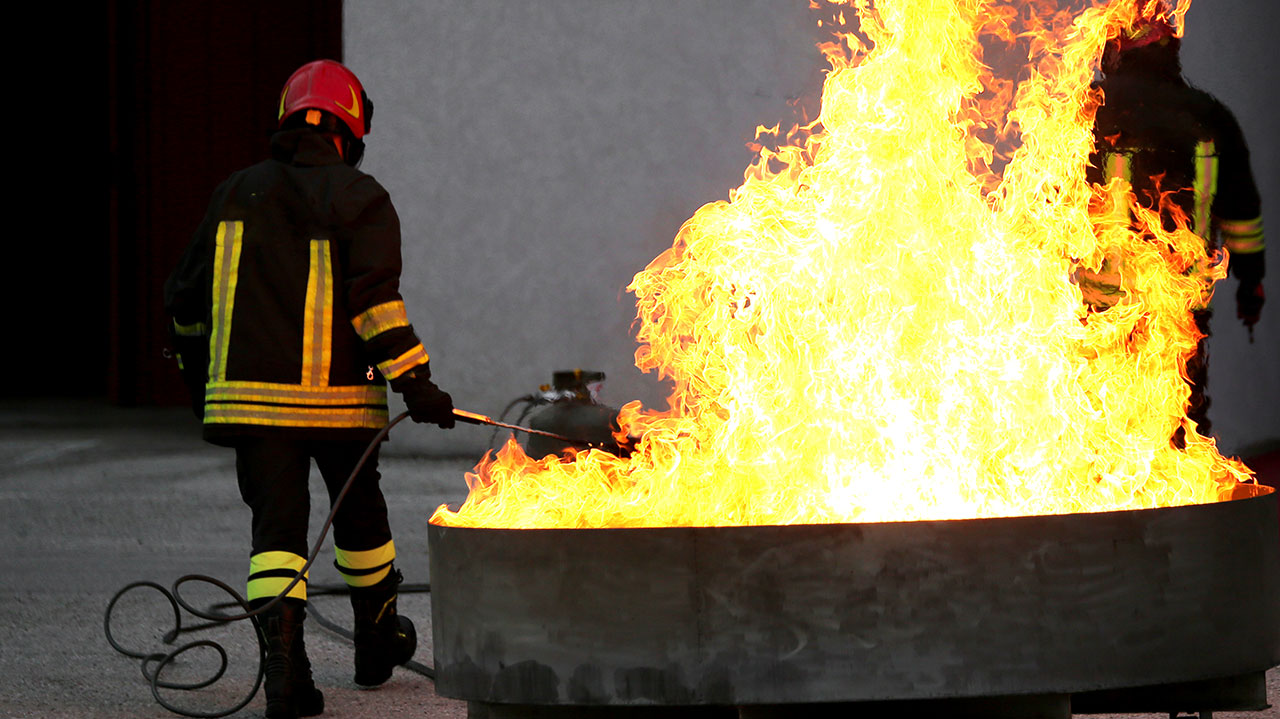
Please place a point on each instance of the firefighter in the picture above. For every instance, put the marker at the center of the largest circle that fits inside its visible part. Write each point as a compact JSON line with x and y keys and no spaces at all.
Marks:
{"x":289,"y":324}
{"x":1161,"y":134}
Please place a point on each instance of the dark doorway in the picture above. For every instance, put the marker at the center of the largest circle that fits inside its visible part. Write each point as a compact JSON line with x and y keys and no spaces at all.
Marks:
{"x":162,"y":102}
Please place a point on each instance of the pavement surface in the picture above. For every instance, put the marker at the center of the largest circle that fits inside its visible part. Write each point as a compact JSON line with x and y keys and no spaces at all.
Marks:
{"x":94,"y":497}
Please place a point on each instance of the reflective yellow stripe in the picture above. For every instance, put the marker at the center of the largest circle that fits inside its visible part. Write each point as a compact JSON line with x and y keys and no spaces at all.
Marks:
{"x":198,"y":329}
{"x":1246,"y":245}
{"x":380,"y":318}
{"x":289,"y":405}
{"x":283,"y":566}
{"x":317,"y":323}
{"x":313,"y":417}
{"x":1206,"y":185}
{"x":365,"y":559}
{"x":1242,"y":227}
{"x":405,"y":362}
{"x":1243,"y":237}
{"x":365,"y":580}
{"x":1117,"y":166}
{"x":354,"y":566}
{"x":266,"y":561}
{"x":226,"y":270}
{"x":274,"y":393}
{"x":268,"y":587}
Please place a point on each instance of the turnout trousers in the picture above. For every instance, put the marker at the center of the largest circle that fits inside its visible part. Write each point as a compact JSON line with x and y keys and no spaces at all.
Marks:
{"x":273,"y":475}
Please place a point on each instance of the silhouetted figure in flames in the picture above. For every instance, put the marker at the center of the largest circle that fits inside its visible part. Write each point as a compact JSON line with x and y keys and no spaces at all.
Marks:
{"x":1164,"y":136}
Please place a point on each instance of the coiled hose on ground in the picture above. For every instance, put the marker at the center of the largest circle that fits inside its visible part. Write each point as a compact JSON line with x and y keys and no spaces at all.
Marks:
{"x":153,"y":663}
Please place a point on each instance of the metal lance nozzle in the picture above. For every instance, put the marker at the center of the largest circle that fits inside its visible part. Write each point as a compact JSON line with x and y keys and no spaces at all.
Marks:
{"x":476,"y":418}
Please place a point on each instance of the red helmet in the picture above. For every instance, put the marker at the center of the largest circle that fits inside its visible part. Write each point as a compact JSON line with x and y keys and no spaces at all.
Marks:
{"x":329,"y":86}
{"x":1151,"y":24}
{"x":1147,"y":31}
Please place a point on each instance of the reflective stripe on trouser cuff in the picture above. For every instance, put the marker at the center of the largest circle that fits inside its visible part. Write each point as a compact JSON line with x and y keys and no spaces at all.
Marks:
{"x":365,"y":568}
{"x":271,"y":572}
{"x":380,"y":318}
{"x":405,"y":362}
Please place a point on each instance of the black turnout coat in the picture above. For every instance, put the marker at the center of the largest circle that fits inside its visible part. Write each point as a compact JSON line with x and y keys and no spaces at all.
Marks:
{"x":286,"y":307}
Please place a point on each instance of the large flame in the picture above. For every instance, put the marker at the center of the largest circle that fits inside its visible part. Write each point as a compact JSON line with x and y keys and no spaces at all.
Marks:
{"x":877,"y":327}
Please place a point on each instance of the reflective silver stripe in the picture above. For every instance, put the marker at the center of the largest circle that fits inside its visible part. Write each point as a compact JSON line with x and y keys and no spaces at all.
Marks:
{"x":318,"y":320}
{"x":1243,"y":237}
{"x":380,"y":318}
{"x":1242,"y":227}
{"x":1246,"y":245}
{"x":226,"y":269}
{"x":265,"y":403}
{"x":274,"y":393}
{"x":405,"y":362}
{"x":323,"y":417}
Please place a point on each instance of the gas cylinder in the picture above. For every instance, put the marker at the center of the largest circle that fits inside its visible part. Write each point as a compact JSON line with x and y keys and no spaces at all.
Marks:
{"x":572,"y":409}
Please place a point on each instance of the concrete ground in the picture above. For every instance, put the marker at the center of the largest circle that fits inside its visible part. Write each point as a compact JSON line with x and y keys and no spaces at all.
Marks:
{"x":94,"y":497}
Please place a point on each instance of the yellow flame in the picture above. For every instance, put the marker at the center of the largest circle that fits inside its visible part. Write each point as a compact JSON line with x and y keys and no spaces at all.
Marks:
{"x":877,"y":327}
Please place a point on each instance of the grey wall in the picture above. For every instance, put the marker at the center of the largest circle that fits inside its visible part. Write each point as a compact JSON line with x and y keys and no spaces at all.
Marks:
{"x":1230,"y":49}
{"x":542,"y":153}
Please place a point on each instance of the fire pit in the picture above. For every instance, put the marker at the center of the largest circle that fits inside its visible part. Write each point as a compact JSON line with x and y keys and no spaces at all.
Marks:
{"x":1041,"y":608}
{"x":905,"y":458}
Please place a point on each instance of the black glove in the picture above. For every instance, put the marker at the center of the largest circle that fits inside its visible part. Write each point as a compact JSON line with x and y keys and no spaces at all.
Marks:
{"x":193,"y":360}
{"x":1249,"y":301}
{"x":427,"y":402}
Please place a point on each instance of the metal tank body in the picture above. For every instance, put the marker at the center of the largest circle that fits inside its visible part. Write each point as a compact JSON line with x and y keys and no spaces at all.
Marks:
{"x":572,"y":410}
{"x":1050,"y":606}
{"x":590,"y":422}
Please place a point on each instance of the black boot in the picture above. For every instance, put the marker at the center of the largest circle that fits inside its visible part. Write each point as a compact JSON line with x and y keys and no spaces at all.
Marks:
{"x":383,"y":638}
{"x":290,"y":691}
{"x":306,"y":697}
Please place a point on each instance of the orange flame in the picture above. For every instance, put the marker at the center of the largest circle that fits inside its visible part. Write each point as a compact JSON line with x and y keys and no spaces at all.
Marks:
{"x":876,"y":326}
